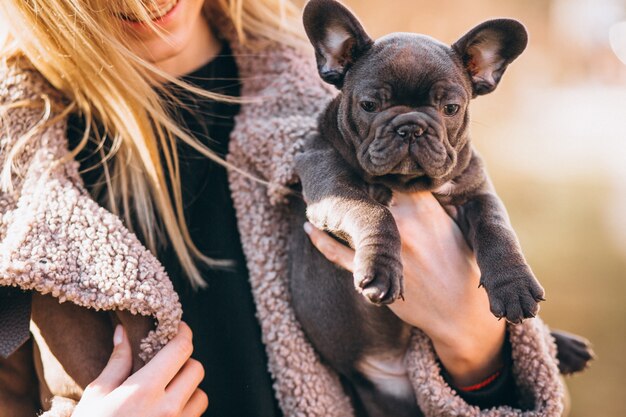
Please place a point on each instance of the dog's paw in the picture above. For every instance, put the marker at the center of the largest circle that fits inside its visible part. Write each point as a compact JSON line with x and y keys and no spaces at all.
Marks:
{"x":514,"y":298}
{"x":573,"y":352}
{"x":380,"y":280}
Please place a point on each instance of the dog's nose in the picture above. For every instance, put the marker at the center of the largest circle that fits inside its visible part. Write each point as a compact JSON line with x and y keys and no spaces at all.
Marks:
{"x":410,"y":131}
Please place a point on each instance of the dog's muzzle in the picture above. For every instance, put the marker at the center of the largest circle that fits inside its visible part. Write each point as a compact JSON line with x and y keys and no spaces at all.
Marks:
{"x":412,"y":144}
{"x":409,"y":128}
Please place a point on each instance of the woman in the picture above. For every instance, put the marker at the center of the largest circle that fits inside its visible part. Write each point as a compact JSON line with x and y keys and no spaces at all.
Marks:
{"x":142,"y":94}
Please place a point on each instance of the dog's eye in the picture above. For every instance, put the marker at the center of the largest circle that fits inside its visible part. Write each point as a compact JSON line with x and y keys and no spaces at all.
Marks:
{"x":368,"y":106}
{"x":451,"y":109}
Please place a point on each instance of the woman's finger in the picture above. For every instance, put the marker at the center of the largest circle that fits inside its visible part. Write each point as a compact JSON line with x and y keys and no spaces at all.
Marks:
{"x":168,"y":362}
{"x":117,"y":369}
{"x":334,"y":251}
{"x":185,"y":383}
{"x":197,"y":405}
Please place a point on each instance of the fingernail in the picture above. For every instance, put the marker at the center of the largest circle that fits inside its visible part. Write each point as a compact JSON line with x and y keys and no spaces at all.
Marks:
{"x":308,"y":227}
{"x":118,"y":335}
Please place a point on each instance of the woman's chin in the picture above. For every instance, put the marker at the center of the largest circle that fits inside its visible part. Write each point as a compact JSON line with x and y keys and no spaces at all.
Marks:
{"x":179,"y":28}
{"x":163,"y":49}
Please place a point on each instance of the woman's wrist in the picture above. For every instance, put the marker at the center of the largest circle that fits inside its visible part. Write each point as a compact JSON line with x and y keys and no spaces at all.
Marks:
{"x":472,"y":356}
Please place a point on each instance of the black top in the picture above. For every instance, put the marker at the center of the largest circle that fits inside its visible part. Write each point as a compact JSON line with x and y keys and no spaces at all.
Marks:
{"x":227,"y":335}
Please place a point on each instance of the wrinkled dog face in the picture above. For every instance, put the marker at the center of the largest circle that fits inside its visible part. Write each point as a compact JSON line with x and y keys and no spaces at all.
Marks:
{"x":404,"y":98}
{"x":405,"y":119}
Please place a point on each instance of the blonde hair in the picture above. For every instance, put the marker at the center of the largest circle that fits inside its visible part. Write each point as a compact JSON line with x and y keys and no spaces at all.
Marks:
{"x":69,"y":42}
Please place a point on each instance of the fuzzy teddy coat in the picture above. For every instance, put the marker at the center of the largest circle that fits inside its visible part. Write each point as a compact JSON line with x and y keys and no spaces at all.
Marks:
{"x":88,"y":272}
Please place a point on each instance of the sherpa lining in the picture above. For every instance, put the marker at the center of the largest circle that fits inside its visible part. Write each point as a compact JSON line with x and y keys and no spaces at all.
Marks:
{"x":60,"y":407}
{"x":56,"y":240}
{"x":540,"y":388}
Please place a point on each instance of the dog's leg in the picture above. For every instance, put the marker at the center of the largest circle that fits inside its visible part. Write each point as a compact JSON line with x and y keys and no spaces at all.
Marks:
{"x":338,"y":201}
{"x":365,"y":343}
{"x":513,"y":290}
{"x":573,"y":352}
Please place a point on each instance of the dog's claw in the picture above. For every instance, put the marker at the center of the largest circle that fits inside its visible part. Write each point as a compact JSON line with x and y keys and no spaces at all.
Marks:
{"x":380,"y":282}
{"x":374,"y":295}
{"x":365,"y":281}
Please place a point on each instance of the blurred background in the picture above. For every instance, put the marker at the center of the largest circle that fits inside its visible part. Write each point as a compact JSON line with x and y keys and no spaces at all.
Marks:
{"x":554,"y":138}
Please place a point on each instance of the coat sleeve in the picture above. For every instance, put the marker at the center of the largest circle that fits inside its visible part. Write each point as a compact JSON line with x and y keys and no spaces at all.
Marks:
{"x":54,"y":239}
{"x":539,"y":388}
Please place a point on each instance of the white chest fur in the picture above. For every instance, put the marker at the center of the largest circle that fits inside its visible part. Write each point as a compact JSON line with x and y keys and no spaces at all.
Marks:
{"x":388,"y":373}
{"x":446,"y":188}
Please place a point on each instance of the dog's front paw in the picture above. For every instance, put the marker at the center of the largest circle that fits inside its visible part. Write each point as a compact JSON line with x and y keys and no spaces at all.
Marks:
{"x":379,"y":279}
{"x":514,"y":297}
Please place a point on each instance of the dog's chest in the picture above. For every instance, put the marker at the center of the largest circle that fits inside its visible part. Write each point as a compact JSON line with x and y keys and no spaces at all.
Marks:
{"x":388,"y":372}
{"x":380,"y":193}
{"x":446,"y":189}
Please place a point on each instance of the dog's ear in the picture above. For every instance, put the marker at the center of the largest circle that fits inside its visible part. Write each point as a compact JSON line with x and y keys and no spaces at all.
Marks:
{"x":488,"y":49}
{"x":337,"y":36}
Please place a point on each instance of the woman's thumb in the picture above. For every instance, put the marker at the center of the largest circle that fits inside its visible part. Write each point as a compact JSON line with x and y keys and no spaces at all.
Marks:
{"x":117,"y":369}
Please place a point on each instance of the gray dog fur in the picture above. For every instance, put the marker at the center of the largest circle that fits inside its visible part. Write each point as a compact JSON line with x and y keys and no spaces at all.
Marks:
{"x":400,"y":123}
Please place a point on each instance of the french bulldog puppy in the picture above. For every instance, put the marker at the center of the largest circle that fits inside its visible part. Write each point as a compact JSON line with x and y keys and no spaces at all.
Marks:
{"x":399,"y":123}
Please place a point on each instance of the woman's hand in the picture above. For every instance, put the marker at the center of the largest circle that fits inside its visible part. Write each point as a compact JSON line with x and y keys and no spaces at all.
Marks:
{"x":167,"y":386}
{"x":441,"y":294}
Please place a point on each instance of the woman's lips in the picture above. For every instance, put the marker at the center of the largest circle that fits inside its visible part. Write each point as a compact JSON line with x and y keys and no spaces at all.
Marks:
{"x":160,"y":12}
